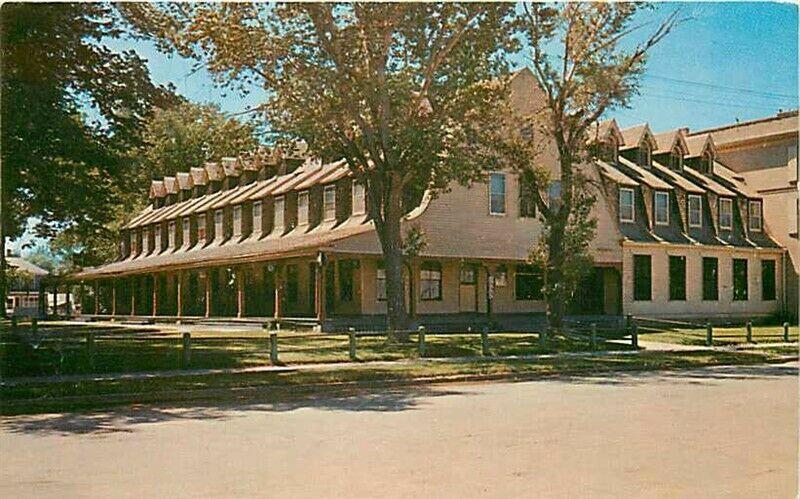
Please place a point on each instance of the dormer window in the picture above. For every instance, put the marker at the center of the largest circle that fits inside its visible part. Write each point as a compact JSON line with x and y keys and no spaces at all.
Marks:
{"x":157,"y":238}
{"x":645,"y":155}
{"x":201,"y":229}
{"x":626,"y":211}
{"x":145,"y":240}
{"x":708,"y":161}
{"x":302,"y":208}
{"x":610,"y":150}
{"x":186,"y":233}
{"x":218,"y":224}
{"x":237,"y":220}
{"x":278,"y":222}
{"x":172,"y":235}
{"x":661,"y":208}
{"x":726,"y":213}
{"x":676,"y":159}
{"x":755,"y":221}
{"x":257,"y":215}
{"x":359,"y":199}
{"x":329,"y":204}
{"x":134,"y":247}
{"x":695,"y":210}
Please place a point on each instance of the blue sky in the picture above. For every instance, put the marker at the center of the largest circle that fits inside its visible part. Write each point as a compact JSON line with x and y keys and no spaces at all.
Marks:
{"x":730,"y":61}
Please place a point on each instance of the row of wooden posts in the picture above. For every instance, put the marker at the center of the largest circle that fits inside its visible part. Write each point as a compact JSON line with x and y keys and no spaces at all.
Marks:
{"x":748,"y":328}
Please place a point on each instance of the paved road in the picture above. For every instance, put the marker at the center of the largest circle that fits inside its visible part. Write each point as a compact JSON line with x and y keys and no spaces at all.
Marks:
{"x":724,"y":432}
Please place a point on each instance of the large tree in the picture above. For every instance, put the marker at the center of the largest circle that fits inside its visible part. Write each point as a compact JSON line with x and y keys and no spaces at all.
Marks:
{"x":586,"y":62}
{"x":70,"y":107}
{"x":401,"y":91}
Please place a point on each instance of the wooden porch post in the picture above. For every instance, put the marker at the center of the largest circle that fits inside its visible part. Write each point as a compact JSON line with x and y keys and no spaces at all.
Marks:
{"x":113,"y":297}
{"x":240,"y":292}
{"x":133,"y":294}
{"x":278,"y":291}
{"x":55,"y":300}
{"x":179,"y":288}
{"x":155,"y":295}
{"x":208,"y":293}
{"x":67,"y":305}
{"x":319,"y":290}
{"x":96,"y":297}
{"x":42,"y":301}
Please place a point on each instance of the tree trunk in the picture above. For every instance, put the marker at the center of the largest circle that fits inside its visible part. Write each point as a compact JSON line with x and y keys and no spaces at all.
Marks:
{"x":3,"y":280}
{"x":554,"y":277}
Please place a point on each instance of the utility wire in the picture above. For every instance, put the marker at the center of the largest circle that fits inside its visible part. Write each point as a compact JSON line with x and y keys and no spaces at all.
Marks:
{"x":708,"y":102}
{"x":723,"y":87}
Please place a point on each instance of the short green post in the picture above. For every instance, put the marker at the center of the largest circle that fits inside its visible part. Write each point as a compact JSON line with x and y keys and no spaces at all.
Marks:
{"x":709,"y":334}
{"x":593,"y":339}
{"x":34,"y":324}
{"x":786,"y":332}
{"x":352,"y":333}
{"x":634,"y":335}
{"x":13,"y":323}
{"x":187,"y":350}
{"x":421,"y":340}
{"x":273,"y":348}
{"x":542,"y":338}
{"x":90,"y":350}
{"x":749,"y":327}
{"x":485,"y":342}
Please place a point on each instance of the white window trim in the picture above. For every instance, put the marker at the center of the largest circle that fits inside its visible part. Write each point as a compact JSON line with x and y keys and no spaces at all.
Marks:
{"x":655,"y":208}
{"x":172,"y":235}
{"x":633,"y":205}
{"x":750,"y":217}
{"x":689,"y":210}
{"x":505,"y":195}
{"x":729,"y":202}
{"x":302,"y":212}
{"x":359,"y":210}
{"x":325,"y":217}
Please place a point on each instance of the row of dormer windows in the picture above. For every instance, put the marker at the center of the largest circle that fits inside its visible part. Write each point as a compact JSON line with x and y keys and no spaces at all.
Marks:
{"x":244,"y":219}
{"x":661,"y":209}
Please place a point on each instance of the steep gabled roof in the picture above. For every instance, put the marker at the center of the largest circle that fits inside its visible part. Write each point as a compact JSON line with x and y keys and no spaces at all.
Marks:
{"x":170,"y":185}
{"x":185,"y":181}
{"x":669,"y":139}
{"x":697,"y":145}
{"x":602,"y":131}
{"x":215,"y":172}
{"x":157,"y":189}
{"x":635,"y":135}
{"x":199,"y":176}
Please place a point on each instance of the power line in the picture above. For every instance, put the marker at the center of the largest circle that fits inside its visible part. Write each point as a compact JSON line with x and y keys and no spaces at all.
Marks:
{"x":723,"y":87}
{"x":703,"y":101}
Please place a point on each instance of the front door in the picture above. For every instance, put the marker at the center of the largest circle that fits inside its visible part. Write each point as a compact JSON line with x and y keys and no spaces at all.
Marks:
{"x":468,"y":289}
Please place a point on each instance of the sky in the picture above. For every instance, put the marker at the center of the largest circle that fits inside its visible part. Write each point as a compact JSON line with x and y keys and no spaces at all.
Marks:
{"x":728,"y":62}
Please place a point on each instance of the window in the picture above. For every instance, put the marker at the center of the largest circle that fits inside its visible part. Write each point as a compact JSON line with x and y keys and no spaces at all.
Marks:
{"x":469,"y":274}
{"x":662,"y":208}
{"x":201,"y":228}
{"x":346,"y":279}
{"x":710,"y":279}
{"x":677,"y":278}
{"x":676,"y":159}
{"x":610,"y":150}
{"x":642,"y":278}
{"x":279,"y":216}
{"x":767,"y":280}
{"x":725,"y":213}
{"x":257,"y":215}
{"x":237,"y":220}
{"x":708,"y":162}
{"x":497,"y":193}
{"x":302,"y":208}
{"x":430,"y":281}
{"x":554,"y":194}
{"x":626,"y":212}
{"x":527,"y":203}
{"x":218,"y":224}
{"x":644,"y":158}
{"x":359,"y":200}
{"x":695,"y":211}
{"x":527,"y":283}
{"x":186,"y":232}
{"x":329,"y":204}
{"x":755,"y":221}
{"x":157,"y":237}
{"x":292,"y":284}
{"x":145,"y":240}
{"x":173,"y":232}
{"x":380,"y":282}
{"x":739,"y":279}
{"x":134,"y":248}
{"x":500,"y":276}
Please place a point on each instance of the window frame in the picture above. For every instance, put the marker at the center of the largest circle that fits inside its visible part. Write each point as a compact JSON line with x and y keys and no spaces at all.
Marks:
{"x":677,"y":288}
{"x":492,"y":176}
{"x":632,"y":204}
{"x":427,"y":272}
{"x":326,"y":205}
{"x":706,"y":295}
{"x":773,"y":290}
{"x":699,"y":210}
{"x":727,"y":202}
{"x":470,"y":268}
{"x":302,"y":208}
{"x":526,"y":203}
{"x":656,"y":220}
{"x":645,"y":153}
{"x":750,"y":218}
{"x":535,"y":292}
{"x":676,"y":159}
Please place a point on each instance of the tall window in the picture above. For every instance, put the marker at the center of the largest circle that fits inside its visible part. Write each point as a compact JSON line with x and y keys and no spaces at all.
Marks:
{"x":755,"y":220}
{"x":527,"y":204}
{"x":157,"y":238}
{"x":219,"y":226}
{"x":237,"y":220}
{"x":739,"y":279}
{"x":695,"y":210}
{"x":725,"y":213}
{"x":642,"y":278}
{"x":626,"y":211}
{"x":676,"y":159}
{"x":329,"y":205}
{"x":710,"y":279}
{"x":645,"y":154}
{"x":134,"y":247}
{"x":527,"y":283}
{"x":172,"y":235}
{"x":662,"y":208}
{"x":430,"y":281}
{"x":186,"y":232}
{"x":347,"y":270}
{"x":302,"y":208}
{"x":610,"y":150}
{"x":279,"y":215}
{"x":359,"y":199}
{"x":145,"y":240}
{"x":708,"y":162}
{"x":257,"y":224}
{"x":767,"y":280}
{"x":677,"y":278}
{"x":497,"y":193}
{"x":380,"y":282}
{"x":201,"y":228}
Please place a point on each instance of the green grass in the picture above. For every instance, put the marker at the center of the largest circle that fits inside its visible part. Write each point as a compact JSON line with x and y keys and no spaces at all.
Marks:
{"x":63,"y":396}
{"x":721,"y":335}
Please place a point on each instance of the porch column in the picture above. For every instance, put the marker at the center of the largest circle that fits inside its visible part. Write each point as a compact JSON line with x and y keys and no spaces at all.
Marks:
{"x":179,"y":289}
{"x":319,"y":289}
{"x":133,"y":295}
{"x":155,"y":295}
{"x":278,"y":291}
{"x":55,"y":299}
{"x":240,"y":292}
{"x":207,"y":292}
{"x":42,"y":301}
{"x":489,"y":289}
{"x":113,"y":297}
{"x":68,"y":304}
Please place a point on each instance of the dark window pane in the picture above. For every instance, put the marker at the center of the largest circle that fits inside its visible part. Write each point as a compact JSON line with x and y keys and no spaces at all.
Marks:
{"x":710,"y":279}
{"x":768,"y":280}
{"x":677,"y":278}
{"x":346,"y":279}
{"x":430,"y":281}
{"x":528,"y":283}
{"x":739,"y":279}
{"x":642,"y":277}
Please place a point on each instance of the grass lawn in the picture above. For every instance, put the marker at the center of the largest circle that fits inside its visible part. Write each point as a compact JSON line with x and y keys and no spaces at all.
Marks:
{"x":64,"y":396}
{"x":722,"y":335}
{"x":125,"y":349}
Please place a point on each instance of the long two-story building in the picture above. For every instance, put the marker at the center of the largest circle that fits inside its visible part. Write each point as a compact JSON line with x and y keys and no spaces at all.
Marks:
{"x":253,"y":237}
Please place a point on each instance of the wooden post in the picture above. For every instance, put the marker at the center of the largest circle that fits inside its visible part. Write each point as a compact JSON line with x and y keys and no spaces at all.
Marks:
{"x":133,"y":295}
{"x":634,"y":335}
{"x":90,"y":350}
{"x":187,"y":350}
{"x":749,"y":328}
{"x":786,"y":332}
{"x":96,"y":298}
{"x":485,"y":341}
{"x":179,"y":287}
{"x":113,"y":298}
{"x":278,"y":292}
{"x":208,"y":293}
{"x":593,"y":340}
{"x":273,"y":348}
{"x":319,"y":292}
{"x":709,"y":334}
{"x":155,"y":295}
{"x":421,"y":341}
{"x":352,"y":334}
